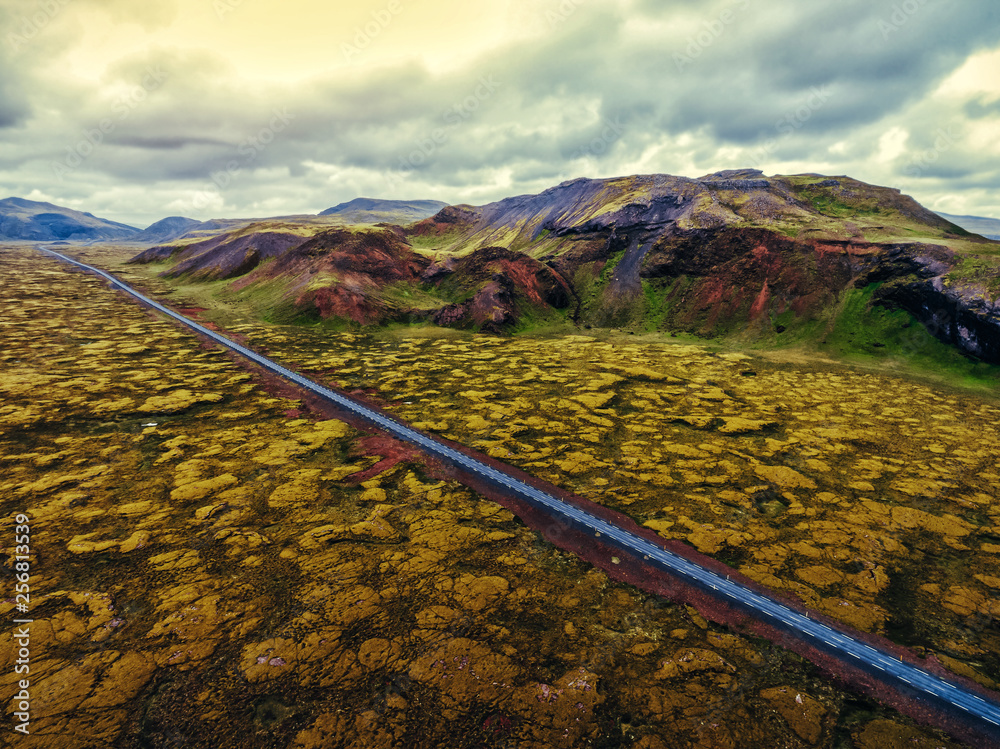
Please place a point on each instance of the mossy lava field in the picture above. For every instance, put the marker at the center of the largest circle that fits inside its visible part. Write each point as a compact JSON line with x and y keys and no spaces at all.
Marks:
{"x":214,"y":565}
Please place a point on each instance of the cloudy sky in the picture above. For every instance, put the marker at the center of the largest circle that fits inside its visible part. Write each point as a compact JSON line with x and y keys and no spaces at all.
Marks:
{"x":135,"y":110}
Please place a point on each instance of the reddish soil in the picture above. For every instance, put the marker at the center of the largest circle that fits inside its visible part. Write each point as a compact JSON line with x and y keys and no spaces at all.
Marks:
{"x":445,"y":220}
{"x":745,"y":275}
{"x":760,"y":303}
{"x":502,"y":282}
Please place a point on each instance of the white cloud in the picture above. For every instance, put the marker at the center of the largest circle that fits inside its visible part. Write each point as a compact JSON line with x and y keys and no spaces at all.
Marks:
{"x":892,"y":145}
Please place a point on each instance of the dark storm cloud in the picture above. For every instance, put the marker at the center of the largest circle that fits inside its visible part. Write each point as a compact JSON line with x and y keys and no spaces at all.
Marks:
{"x":13,"y":103}
{"x":13,"y":100}
{"x":769,"y":71}
{"x":606,"y":84}
{"x":163,"y":143}
{"x":739,"y":79}
{"x":977,"y":109}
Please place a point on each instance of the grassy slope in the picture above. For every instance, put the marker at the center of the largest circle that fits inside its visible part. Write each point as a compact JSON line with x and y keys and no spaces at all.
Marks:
{"x":860,"y":333}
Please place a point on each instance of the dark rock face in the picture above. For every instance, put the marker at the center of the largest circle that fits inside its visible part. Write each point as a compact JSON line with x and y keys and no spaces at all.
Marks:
{"x":700,"y":252}
{"x":893,"y":261}
{"x":438,"y":270}
{"x":539,"y":284}
{"x":736,"y":184}
{"x":569,"y":208}
{"x":729,"y":266}
{"x":646,"y":219}
{"x":972,"y":325}
{"x":726,"y":280}
{"x":493,"y":308}
{"x":912,"y":278}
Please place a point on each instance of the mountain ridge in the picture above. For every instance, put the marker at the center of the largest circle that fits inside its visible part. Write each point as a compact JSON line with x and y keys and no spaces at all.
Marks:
{"x":23,"y":219}
{"x":987,"y":227}
{"x":733,"y":253}
{"x":376,"y":210}
{"x":168,"y":228}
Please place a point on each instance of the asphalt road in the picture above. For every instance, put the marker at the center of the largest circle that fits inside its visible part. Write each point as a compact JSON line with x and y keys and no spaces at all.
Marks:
{"x":765,"y":608}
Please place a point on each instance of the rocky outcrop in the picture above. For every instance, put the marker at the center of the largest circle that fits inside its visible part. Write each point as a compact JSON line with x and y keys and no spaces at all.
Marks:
{"x":377,"y":253}
{"x":722,"y":281}
{"x":737,"y":276}
{"x":500,"y":284}
{"x":736,"y":184}
{"x":963,"y":316}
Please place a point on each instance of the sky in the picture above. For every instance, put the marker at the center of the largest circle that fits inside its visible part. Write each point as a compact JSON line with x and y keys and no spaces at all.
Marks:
{"x":137,"y":110}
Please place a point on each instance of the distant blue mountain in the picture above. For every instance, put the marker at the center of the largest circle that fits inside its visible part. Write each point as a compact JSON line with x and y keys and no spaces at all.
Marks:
{"x":44,"y":222}
{"x":373,"y":211}
{"x":988,"y":227}
{"x":166,"y":229}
